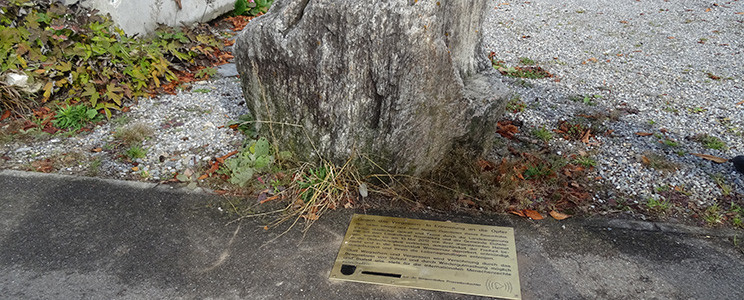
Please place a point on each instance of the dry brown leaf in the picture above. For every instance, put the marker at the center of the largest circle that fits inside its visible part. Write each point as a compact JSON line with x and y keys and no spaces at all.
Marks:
{"x":135,"y":169}
{"x":97,"y":149}
{"x":641,"y":133}
{"x":740,"y":102}
{"x":532,"y":214}
{"x":645,"y":160}
{"x":707,"y":9}
{"x":203,"y":177}
{"x":517,"y":212}
{"x":558,"y":215}
{"x":712,"y":158}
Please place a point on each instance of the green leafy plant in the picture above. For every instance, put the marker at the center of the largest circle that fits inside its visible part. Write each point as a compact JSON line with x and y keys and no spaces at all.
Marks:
{"x":711,"y":142}
{"x":515,"y":104}
{"x":659,"y":205}
{"x":135,"y":152}
{"x":206,"y":73}
{"x":585,"y":161}
{"x":81,"y":57}
{"x":712,"y":215}
{"x":75,"y":117}
{"x":188,"y":176}
{"x":586,"y":99}
{"x":537,"y":171}
{"x":251,"y":7}
{"x":254,"y":158}
{"x":542,"y":134}
{"x":526,"y":61}
{"x":244,"y":124}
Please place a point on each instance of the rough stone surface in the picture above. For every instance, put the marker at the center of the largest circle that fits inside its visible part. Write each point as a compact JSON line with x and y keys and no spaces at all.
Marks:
{"x":143,"y":16}
{"x":385,"y":79}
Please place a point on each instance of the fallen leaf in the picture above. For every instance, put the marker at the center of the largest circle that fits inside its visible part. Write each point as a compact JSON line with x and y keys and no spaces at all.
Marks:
{"x":640,"y":133}
{"x":740,"y":102}
{"x":739,"y":13}
{"x":624,"y":22}
{"x":712,"y":158}
{"x":707,"y":9}
{"x":558,"y":215}
{"x":220,"y":192}
{"x":203,"y":177}
{"x":44,"y":166}
{"x":485,"y":165}
{"x":645,"y":160}
{"x":5,"y":115}
{"x":266,"y":227}
{"x":506,"y":129}
{"x":97,"y":149}
{"x":269,"y":199}
{"x":517,"y":212}
{"x":135,"y":169}
{"x":532,"y":214}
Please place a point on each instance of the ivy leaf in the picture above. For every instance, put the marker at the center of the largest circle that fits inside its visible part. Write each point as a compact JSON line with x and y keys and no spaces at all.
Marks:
{"x":48,"y":90}
{"x":90,"y":91}
{"x":114,"y":93}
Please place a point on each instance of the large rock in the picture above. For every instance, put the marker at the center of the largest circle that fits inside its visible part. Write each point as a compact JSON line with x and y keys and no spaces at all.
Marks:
{"x":398,"y":81}
{"x":143,"y":16}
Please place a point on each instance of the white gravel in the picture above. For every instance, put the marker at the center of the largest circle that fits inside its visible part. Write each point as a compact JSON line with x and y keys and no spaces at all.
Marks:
{"x":652,"y":56}
{"x":649,"y":56}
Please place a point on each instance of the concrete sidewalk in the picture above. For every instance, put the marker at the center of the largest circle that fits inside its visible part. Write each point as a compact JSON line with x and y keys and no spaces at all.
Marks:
{"x":81,"y":238}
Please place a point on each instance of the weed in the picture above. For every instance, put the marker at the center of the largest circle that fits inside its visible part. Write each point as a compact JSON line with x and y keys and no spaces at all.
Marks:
{"x":659,"y":205}
{"x":135,"y":152}
{"x":251,"y":7}
{"x":94,"y":167}
{"x":713,"y":215}
{"x":542,"y":134}
{"x":526,"y":61}
{"x":585,"y":161}
{"x":586,"y":99}
{"x":658,"y":162}
{"x":255,"y":157}
{"x":651,"y":122}
{"x":202,"y":91}
{"x":710,"y":142}
{"x":721,"y":183}
{"x":537,"y":171}
{"x":75,"y":117}
{"x":205,"y":73}
{"x":515,"y":104}
{"x":135,"y":133}
{"x":245,"y":125}
{"x":696,"y":110}
{"x":669,"y":142}
{"x":532,"y":72}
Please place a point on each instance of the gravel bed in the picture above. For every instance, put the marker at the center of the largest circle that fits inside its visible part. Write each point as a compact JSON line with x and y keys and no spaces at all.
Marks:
{"x":673,"y":68}
{"x":652,"y":63}
{"x":187,"y":130}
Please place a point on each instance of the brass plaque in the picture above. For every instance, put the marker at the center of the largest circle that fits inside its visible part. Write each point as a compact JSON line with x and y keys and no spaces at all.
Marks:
{"x":442,"y":256}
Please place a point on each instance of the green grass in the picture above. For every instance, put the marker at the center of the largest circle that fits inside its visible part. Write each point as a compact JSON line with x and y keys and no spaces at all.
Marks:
{"x":658,"y":205}
{"x":585,"y":161}
{"x":526,"y":61}
{"x":135,"y":152}
{"x":713,"y":215}
{"x":543,"y":134}
{"x":712,"y":142}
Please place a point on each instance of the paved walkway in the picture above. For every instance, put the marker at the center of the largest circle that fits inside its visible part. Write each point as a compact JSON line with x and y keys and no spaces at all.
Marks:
{"x":82,"y":238}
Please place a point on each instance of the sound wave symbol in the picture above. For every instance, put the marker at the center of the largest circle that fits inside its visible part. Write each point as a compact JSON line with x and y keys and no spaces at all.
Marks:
{"x":492,"y":284}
